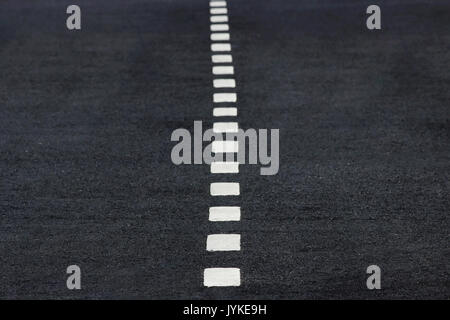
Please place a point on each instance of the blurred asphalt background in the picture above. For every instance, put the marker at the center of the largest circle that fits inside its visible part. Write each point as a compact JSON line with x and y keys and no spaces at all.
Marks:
{"x":85,"y":170}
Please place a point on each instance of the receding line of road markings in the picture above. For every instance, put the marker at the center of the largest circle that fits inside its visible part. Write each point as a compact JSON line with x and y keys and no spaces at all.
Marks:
{"x":225,"y":146}
{"x":221,"y":36}
{"x":223,"y":242}
{"x":219,"y":70}
{"x":222,"y":277}
{"x":224,"y":167}
{"x":221,"y":58}
{"x":224,"y":213}
{"x":224,"y":189}
{"x":222,"y":18}
{"x":218,"y":3}
{"x":224,"y":127}
{"x":218,"y":11}
{"x":225,"y":112}
{"x":224,"y":97}
{"x":220,"y":27}
{"x":220,"y":47}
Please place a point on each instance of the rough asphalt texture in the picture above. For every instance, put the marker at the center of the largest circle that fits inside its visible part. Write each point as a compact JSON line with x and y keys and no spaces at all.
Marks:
{"x":85,"y":170}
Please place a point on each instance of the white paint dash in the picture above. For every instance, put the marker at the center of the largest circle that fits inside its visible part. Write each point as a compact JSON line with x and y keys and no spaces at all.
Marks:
{"x":224,"y":83}
{"x":215,"y":47}
{"x":218,"y":11}
{"x":224,"y":189}
{"x":224,"y":97}
{"x":220,"y":36}
{"x":224,"y":213}
{"x":222,"y":277}
{"x":220,"y":27}
{"x":225,"y":112}
{"x":218,"y":18}
{"x":224,"y":127}
{"x":222,"y":58}
{"x":221,"y":70}
{"x":223,"y":242}
{"x":225,"y":146}
{"x":224,"y":167}
{"x":218,"y":3}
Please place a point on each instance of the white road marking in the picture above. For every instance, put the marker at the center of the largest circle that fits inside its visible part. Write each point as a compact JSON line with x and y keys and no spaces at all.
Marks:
{"x":220,"y":27}
{"x":221,"y":36}
{"x":222,"y":277}
{"x":224,"y":189}
{"x":224,"y":213}
{"x":221,"y":18}
{"x":224,"y":97}
{"x":225,"y":112}
{"x":225,"y":127}
{"x":223,"y":70}
{"x":215,"y":47}
{"x":224,"y":83}
{"x":224,"y":167}
{"x":218,"y":3}
{"x":222,"y":58}
{"x":218,"y":11}
{"x":225,"y":146}
{"x":223,"y":242}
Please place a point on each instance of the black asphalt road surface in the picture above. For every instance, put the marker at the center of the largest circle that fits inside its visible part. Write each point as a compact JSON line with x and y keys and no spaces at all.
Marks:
{"x":86,"y":176}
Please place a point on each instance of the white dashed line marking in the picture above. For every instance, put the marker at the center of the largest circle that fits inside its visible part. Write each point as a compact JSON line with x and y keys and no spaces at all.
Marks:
{"x":222,"y":277}
{"x":216,"y":47}
{"x":224,"y":97}
{"x":225,"y":189}
{"x":220,"y":27}
{"x":218,"y":11}
{"x":225,"y":146}
{"x":222,"y":58}
{"x":224,"y":167}
{"x":224,"y":214}
{"x":222,"y":36}
{"x":223,"y":242}
{"x":225,"y":112}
